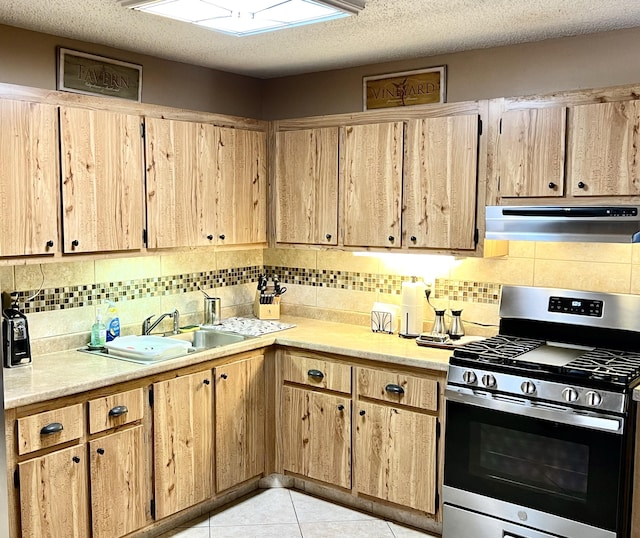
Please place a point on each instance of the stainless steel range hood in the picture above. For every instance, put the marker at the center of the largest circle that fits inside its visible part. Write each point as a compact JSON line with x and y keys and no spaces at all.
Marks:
{"x":598,"y":224}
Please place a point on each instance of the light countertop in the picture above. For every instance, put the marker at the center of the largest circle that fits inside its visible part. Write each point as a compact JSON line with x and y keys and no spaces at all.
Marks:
{"x":71,"y":372}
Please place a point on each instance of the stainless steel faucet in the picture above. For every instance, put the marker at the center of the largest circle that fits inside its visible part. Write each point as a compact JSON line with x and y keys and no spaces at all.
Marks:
{"x":147,"y":326}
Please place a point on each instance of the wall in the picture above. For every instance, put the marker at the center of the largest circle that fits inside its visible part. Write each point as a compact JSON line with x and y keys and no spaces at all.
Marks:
{"x":29,"y":59}
{"x":592,"y":61}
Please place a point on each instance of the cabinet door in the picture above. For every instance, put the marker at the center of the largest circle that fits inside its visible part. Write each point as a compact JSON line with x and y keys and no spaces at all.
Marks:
{"x":316,"y":435}
{"x":440,"y":183}
{"x":180,"y":181}
{"x":531,"y":152}
{"x":119,"y":498}
{"x":102,"y":180}
{"x":53,"y":495}
{"x":307,"y":186}
{"x":29,"y":183}
{"x":239,"y":408}
{"x":183,"y":442}
{"x":371,"y":168}
{"x":604,"y":150}
{"x":240,"y":208}
{"x":396,"y":456}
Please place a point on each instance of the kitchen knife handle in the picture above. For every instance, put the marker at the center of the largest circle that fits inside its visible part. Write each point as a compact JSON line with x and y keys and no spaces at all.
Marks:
{"x":316,"y":375}
{"x":54,"y":427}
{"x":394,"y":389}
{"x":118,"y":411}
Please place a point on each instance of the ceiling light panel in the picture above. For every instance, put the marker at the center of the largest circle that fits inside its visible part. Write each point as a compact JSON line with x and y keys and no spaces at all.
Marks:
{"x":246,"y":17}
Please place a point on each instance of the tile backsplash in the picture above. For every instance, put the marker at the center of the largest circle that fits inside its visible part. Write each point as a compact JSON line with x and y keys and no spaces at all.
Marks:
{"x":332,"y":285}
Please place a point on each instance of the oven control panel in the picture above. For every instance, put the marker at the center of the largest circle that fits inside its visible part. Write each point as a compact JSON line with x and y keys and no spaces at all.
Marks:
{"x":579,"y":307}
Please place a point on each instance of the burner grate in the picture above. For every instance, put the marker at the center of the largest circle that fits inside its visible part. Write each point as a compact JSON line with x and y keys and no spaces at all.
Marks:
{"x":498,"y":349}
{"x":607,"y":365}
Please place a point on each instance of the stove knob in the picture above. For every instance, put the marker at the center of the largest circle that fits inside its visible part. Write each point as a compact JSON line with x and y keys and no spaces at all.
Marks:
{"x":488,"y":381}
{"x":528,"y":387}
{"x":593,"y":398}
{"x":469,"y":377}
{"x":570,"y":395}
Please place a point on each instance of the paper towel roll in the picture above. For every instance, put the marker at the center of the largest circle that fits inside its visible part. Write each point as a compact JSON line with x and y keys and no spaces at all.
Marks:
{"x":412,"y":308}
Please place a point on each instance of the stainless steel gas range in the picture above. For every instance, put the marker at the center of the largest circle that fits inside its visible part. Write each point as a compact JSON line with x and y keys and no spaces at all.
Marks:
{"x":540,"y":419}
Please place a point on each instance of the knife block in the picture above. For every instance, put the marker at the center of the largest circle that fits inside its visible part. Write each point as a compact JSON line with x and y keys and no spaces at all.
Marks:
{"x":266,"y":311}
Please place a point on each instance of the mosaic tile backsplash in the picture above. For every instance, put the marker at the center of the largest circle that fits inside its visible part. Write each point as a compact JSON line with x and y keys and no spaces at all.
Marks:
{"x":61,"y":298}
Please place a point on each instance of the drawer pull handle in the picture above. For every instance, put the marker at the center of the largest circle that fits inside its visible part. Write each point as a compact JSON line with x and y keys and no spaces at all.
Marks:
{"x":118,"y":411}
{"x":315,"y":374}
{"x":76,"y":459}
{"x":100,"y":451}
{"x":341,"y":407}
{"x":363,"y":413}
{"x":206,"y":382}
{"x":394,"y":389}
{"x":54,"y":427}
{"x":224,"y":376}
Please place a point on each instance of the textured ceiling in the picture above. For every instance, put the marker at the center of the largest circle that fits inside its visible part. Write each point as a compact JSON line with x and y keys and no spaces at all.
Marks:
{"x":386,"y":30}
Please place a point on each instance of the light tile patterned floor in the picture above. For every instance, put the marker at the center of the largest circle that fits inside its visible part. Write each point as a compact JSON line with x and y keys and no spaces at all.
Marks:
{"x":284,"y":513}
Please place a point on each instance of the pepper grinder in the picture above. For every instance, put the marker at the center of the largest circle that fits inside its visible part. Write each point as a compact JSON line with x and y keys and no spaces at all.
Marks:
{"x":456,"y":329}
{"x":439,"y":328}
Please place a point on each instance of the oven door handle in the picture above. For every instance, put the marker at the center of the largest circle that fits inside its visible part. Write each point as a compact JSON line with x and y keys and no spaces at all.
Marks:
{"x":563,"y":415}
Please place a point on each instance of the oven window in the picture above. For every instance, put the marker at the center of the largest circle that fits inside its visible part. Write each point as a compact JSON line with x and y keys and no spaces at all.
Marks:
{"x":529,"y":461}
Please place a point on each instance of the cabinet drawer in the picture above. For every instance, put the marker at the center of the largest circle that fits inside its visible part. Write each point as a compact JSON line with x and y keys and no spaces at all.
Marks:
{"x":316,"y":372}
{"x":115,"y":410}
{"x":398,"y":388}
{"x":49,"y":428}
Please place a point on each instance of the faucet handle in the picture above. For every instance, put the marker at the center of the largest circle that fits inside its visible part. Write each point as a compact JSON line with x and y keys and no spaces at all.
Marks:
{"x":145,"y":324}
{"x":176,"y":321}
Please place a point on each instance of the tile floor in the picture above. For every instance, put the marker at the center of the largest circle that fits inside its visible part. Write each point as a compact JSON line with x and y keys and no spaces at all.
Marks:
{"x":284,"y":513}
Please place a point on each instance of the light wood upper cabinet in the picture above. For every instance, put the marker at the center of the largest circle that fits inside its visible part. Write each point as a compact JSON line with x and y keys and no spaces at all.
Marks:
{"x":53,"y":495}
{"x":307,"y":186}
{"x":240,"y":206}
{"x":532,"y":152}
{"x":118,"y":494}
{"x":396,"y":455}
{"x":440,"y":182}
{"x":371,"y":168}
{"x":102,"y":180}
{"x":183,"y":442}
{"x":29,"y":184}
{"x":239,"y":416}
{"x":604,"y":149}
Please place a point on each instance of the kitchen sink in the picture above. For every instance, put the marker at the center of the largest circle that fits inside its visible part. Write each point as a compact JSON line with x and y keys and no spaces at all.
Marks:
{"x":204,"y":339}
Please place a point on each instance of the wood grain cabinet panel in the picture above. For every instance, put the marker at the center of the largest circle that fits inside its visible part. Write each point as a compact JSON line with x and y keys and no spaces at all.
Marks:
{"x":440,"y":182}
{"x":316,"y":372}
{"x":53,"y":495}
{"x":118,"y":492}
{"x":532,"y":152}
{"x":371,"y":169}
{"x":102,"y":180}
{"x":183,"y":442}
{"x":398,"y":388}
{"x":316,"y":432}
{"x":49,"y":428}
{"x":396,"y":455}
{"x":115,"y":410}
{"x":307,"y":186}
{"x":604,"y":149}
{"x":240,"y":427}
{"x":29,"y":184}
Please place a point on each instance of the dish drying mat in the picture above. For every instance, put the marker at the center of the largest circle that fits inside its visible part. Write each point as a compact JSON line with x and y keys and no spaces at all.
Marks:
{"x":249,"y":326}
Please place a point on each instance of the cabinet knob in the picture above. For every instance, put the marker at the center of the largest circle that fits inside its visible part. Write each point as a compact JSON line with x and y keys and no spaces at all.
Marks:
{"x":100,"y":451}
{"x":391,"y":238}
{"x":552,"y":185}
{"x":75,"y":459}
{"x":75,"y":243}
{"x":54,"y":427}
{"x":581,"y":185}
{"x":413,"y":238}
{"x":223,"y":376}
{"x":328,"y":237}
{"x":221,"y":236}
{"x":316,"y":375}
{"x":362,"y":412}
{"x":394,"y":389}
{"x":206,"y":381}
{"x":118,"y":411}
{"x":210,"y":237}
{"x":341,"y":407}
{"x":49,"y":244}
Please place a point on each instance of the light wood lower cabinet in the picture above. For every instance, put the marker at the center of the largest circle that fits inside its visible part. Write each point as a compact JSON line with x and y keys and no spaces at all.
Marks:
{"x":118,"y":494}
{"x":316,"y":433}
{"x":396,"y":455}
{"x":53,"y":495}
{"x":183,"y":442}
{"x":239,"y":417}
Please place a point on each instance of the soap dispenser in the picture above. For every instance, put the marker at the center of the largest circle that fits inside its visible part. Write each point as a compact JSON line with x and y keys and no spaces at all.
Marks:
{"x":98,"y":333}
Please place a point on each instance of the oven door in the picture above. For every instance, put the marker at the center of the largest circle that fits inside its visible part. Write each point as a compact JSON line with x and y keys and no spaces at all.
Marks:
{"x":569,"y":471}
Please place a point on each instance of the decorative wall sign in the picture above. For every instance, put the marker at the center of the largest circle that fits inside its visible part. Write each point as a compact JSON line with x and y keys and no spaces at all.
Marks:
{"x":421,"y":87}
{"x":80,"y":72}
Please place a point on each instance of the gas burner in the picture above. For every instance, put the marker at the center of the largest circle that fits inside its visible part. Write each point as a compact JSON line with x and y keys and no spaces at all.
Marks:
{"x":606,"y":365}
{"x":500,"y":349}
